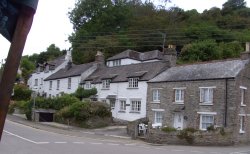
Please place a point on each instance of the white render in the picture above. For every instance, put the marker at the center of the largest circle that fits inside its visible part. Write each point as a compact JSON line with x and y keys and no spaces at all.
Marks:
{"x":40,"y":76}
{"x":63,"y":88}
{"x":122,"y":92}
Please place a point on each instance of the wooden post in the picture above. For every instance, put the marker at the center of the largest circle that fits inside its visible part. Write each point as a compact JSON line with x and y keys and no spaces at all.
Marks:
{"x":23,"y":26}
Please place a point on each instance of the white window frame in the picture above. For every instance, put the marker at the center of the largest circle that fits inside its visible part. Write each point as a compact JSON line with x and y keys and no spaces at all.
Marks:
{"x":41,"y":81}
{"x":106,"y":84}
{"x":203,"y":95}
{"x":50,"y":85}
{"x":242,"y":95}
{"x":133,"y":82}
{"x":36,"y":82}
{"x":57,"y":84}
{"x":156,"y":95}
{"x":112,"y":104}
{"x":135,"y":105}
{"x":242,"y":123}
{"x":122,"y":104}
{"x":179,"y":98}
{"x":212,"y":114}
{"x":87,"y":85}
{"x":117,"y":62}
{"x":69,"y":83}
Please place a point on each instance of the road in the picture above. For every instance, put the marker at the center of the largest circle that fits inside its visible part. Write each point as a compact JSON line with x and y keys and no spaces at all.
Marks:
{"x":21,"y":139}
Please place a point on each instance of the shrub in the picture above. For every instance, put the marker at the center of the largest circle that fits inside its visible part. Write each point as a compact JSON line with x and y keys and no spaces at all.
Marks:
{"x":26,"y":107}
{"x":63,"y":101}
{"x":12,"y":106}
{"x":85,"y":93}
{"x":21,"y":92}
{"x":211,"y":128}
{"x":169,"y":129}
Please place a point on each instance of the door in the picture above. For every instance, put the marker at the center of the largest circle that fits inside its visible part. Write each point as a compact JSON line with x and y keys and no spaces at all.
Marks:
{"x":178,"y":121}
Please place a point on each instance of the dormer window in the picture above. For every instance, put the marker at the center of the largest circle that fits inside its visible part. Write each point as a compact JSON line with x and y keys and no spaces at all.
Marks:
{"x":133,"y":82}
{"x":117,"y":62}
{"x":106,"y":84}
{"x":87,"y":85}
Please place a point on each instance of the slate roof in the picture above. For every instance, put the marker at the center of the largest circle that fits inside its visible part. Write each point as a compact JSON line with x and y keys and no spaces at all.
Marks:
{"x":145,"y":72}
{"x":75,"y":70}
{"x":202,"y":71}
{"x":155,"y":54}
{"x":56,"y":62}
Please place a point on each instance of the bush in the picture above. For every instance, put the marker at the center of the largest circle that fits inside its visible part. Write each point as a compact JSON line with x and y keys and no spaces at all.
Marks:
{"x":26,"y":107}
{"x":63,"y":101}
{"x":21,"y":92}
{"x":12,"y":106}
{"x":85,"y":93}
{"x":169,"y":129}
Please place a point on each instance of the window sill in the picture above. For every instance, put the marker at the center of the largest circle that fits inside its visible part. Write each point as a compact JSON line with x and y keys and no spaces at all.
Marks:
{"x":241,"y":132}
{"x":121,"y":111}
{"x":178,"y":103}
{"x":132,"y":88}
{"x":136,"y":112}
{"x":206,"y":104}
{"x":155,"y":102}
{"x":243,"y":105}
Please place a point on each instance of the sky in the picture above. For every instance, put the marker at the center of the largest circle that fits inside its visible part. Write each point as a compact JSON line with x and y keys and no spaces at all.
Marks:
{"x":51,"y":24}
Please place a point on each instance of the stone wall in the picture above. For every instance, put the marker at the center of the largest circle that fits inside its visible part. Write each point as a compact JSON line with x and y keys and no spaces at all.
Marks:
{"x":204,"y":138}
{"x":132,"y":127}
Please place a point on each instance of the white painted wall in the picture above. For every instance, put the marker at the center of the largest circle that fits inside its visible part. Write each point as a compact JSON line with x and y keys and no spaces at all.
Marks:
{"x":63,"y":86}
{"x":122,"y":92}
{"x":125,"y":61}
{"x":42,"y":75}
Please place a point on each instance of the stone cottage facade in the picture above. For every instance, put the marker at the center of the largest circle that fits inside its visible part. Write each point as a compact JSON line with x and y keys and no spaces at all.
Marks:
{"x":202,"y":95}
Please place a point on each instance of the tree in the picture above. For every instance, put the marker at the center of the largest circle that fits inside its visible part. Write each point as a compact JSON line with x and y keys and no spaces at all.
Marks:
{"x":27,"y":67}
{"x":51,"y":53}
{"x":232,"y":5}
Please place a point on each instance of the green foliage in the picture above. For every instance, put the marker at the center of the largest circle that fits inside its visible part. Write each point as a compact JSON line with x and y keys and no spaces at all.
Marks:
{"x":25,"y":107}
{"x":114,"y":26}
{"x":12,"y":106}
{"x":82,"y":111}
{"x":84,"y":93}
{"x":169,"y":129}
{"x":211,"y":128}
{"x":21,"y":92}
{"x":187,"y":134}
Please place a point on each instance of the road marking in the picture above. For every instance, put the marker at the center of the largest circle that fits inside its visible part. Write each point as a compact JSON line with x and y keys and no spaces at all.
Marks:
{"x":60,"y":142}
{"x":113,"y":144}
{"x":42,"y":142}
{"x":23,"y":138}
{"x":79,"y":142}
{"x":133,"y":144}
{"x":96,"y":143}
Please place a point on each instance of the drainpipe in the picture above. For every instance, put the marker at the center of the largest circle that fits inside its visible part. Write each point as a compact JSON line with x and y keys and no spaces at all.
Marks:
{"x":226,"y":103}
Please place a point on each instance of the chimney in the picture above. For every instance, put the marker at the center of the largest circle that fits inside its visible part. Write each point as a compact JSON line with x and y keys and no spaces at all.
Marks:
{"x":69,"y":65}
{"x":99,"y":58}
{"x":246,"y":55}
{"x":68,"y":56}
{"x":170,"y":55}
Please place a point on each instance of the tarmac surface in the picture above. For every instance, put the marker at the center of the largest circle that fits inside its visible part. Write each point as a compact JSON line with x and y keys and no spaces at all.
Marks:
{"x":110,"y":131}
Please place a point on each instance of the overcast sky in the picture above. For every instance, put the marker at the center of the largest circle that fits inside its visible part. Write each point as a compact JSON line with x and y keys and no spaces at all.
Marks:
{"x":51,"y":23}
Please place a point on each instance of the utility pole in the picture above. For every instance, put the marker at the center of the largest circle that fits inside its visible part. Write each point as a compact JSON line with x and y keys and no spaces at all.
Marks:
{"x":21,"y":29}
{"x":164,"y":40}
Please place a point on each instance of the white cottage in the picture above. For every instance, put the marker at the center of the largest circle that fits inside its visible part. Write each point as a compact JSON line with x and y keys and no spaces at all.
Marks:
{"x":36,"y":81}
{"x":123,"y":82}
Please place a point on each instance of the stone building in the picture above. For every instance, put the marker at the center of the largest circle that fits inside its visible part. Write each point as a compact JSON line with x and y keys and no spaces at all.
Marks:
{"x":201,"y":95}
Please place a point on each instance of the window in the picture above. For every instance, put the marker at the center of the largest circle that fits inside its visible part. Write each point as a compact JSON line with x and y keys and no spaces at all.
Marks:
{"x":206,"y":95}
{"x":135,"y":106}
{"x":36,"y":82}
{"x":242,"y":123}
{"x":133,"y":82}
{"x":206,"y":120}
{"x":156,"y":95}
{"x":69,"y":83}
{"x":87,"y":85}
{"x":117,"y":62}
{"x":122,"y":105}
{"x":179,"y":95}
{"x":243,"y":93}
{"x":106,"y":84}
{"x":104,"y":101}
{"x":41,"y":81}
{"x":50,"y":85}
{"x":112,"y":103}
{"x":58,"y":84}
{"x":158,"y":117}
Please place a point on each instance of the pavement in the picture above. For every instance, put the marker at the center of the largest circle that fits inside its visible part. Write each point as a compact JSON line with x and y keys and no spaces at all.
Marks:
{"x":110,"y":131}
